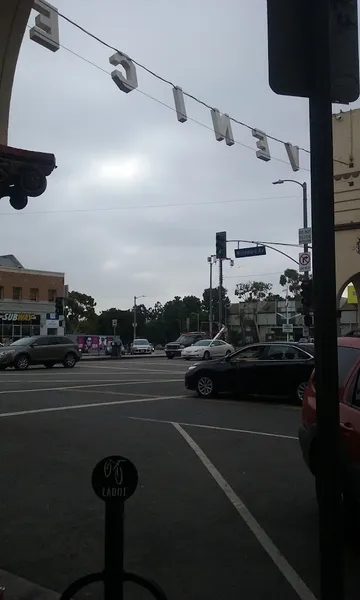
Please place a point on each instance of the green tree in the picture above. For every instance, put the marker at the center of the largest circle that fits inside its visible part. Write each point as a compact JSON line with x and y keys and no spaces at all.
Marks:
{"x":124,"y":326}
{"x":291,"y":280}
{"x":80,"y":315}
{"x":215,"y":302}
{"x":253,"y":291}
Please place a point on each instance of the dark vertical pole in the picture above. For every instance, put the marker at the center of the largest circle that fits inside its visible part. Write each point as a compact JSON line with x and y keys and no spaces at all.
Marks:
{"x":221,"y":279}
{"x":114,"y":552}
{"x":328,"y":481}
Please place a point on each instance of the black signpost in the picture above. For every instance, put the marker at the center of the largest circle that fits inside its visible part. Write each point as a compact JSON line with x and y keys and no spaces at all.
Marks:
{"x":114,"y":480}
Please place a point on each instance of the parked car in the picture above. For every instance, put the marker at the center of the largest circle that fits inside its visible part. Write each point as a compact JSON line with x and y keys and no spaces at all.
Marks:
{"x":207,"y":349}
{"x":46,"y":350}
{"x":349,"y":399}
{"x":141,"y":347}
{"x":186,"y":339}
{"x":271,"y":369}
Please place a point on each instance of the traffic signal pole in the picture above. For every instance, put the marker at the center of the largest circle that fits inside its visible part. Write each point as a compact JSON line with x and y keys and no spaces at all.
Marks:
{"x":221,"y":281}
{"x":328,"y":479}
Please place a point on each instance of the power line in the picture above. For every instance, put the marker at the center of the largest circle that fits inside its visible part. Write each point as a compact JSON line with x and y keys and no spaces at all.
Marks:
{"x":251,"y":276}
{"x":143,"y":206}
{"x":90,"y":62}
{"x":187,"y":94}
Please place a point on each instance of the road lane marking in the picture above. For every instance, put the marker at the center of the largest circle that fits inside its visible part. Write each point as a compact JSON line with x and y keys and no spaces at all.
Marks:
{"x":35,"y":411}
{"x":298,"y":585}
{"x":215,"y":427}
{"x":92,"y":385}
{"x":138,"y":370}
{"x":115,"y":393}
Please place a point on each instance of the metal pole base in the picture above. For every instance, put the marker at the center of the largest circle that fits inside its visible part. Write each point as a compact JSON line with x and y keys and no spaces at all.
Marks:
{"x":152,"y":587}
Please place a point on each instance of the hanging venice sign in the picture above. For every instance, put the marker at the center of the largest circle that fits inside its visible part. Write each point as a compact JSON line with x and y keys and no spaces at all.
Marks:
{"x":46,"y":33}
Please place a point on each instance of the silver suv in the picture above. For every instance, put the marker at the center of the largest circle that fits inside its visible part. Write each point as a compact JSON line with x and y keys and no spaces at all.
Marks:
{"x":47,"y":350}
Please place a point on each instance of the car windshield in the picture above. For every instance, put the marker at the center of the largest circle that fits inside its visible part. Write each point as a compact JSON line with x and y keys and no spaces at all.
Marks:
{"x":186,"y":339}
{"x":22,"y":342}
{"x":203,"y":343}
{"x":141,"y":343}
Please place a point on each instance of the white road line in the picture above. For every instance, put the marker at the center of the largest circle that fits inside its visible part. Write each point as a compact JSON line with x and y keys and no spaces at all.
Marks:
{"x":35,"y":411}
{"x":93,"y":385}
{"x":215,"y":427}
{"x":137,"y":369}
{"x":298,"y":585}
{"x":116,"y":394}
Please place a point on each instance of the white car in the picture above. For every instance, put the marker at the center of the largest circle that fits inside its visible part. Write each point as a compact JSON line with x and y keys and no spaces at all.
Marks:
{"x":207,"y":349}
{"x":141,"y":347}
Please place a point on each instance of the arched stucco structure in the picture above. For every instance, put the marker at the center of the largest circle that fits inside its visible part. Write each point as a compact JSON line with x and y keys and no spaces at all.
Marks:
{"x":346,"y":131}
{"x":14,"y":15}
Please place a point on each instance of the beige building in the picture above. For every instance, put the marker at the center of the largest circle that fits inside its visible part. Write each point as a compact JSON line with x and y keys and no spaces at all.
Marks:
{"x":346,"y":130}
{"x":27,"y":300}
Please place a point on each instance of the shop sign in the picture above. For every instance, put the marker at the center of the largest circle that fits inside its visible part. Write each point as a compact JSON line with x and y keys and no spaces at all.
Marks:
{"x":20,"y":318}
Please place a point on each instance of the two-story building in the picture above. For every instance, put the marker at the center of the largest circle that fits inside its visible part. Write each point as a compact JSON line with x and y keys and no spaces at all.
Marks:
{"x":27,"y":300}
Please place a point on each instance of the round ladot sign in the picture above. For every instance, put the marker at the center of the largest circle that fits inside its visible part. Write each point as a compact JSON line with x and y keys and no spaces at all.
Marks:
{"x":114,"y":479}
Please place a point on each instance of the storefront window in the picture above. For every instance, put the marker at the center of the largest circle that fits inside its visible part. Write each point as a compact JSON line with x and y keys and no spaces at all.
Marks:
{"x":26,"y":330}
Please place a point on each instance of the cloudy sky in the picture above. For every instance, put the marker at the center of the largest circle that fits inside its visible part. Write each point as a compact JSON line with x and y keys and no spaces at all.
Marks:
{"x":137,"y":197}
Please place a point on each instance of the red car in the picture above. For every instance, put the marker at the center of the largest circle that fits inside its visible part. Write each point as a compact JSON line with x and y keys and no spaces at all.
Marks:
{"x":349,"y":398}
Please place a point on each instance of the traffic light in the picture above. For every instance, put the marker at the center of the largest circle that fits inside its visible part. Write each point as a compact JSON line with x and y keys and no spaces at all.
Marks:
{"x":59,"y":306}
{"x":307,"y":295}
{"x":290,"y":48}
{"x":221,"y":244}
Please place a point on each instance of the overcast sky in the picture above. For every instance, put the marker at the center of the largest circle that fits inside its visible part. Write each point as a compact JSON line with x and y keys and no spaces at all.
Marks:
{"x":137,"y":197}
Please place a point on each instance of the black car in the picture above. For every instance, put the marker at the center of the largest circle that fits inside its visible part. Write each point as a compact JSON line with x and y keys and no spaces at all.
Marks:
{"x":184,"y":341}
{"x":277,"y":369}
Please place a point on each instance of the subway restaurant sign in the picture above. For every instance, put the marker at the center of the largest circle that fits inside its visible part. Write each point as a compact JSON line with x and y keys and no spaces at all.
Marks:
{"x":46,"y":33}
{"x":29,"y":318}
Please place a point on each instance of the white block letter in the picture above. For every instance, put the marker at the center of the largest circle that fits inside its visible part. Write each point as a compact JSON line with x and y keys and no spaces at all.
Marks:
{"x":128,"y":83}
{"x":46,"y":30}
{"x":263,"y":151}
{"x":293,"y":154}
{"x":222,"y":127}
{"x":179,"y":104}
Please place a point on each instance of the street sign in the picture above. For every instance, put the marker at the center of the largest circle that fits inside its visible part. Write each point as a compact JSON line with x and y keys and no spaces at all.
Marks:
{"x":305,"y":235}
{"x":114,"y":322}
{"x":252,"y":251}
{"x":304,"y":261}
{"x":288,"y":328}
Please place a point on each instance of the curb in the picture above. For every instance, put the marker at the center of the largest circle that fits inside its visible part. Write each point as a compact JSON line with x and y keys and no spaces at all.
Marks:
{"x":116,"y":358}
{"x":17,"y":588}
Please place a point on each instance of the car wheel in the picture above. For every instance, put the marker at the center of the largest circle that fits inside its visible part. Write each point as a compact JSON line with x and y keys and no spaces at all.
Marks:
{"x":187,"y":357}
{"x":49,"y":365}
{"x":21,"y":362}
{"x":205,"y":387}
{"x":170,"y":356}
{"x":69,"y":361}
{"x":207,"y":355}
{"x":300,"y":391}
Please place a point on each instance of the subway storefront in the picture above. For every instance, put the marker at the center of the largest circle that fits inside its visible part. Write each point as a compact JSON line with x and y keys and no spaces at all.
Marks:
{"x":17,"y":325}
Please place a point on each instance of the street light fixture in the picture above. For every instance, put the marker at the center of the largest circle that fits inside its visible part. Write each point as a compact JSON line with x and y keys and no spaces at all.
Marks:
{"x":134,"y":313}
{"x":305,"y":211}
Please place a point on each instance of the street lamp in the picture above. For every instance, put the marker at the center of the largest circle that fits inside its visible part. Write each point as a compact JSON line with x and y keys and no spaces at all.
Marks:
{"x":134,"y":313}
{"x":305,"y":210}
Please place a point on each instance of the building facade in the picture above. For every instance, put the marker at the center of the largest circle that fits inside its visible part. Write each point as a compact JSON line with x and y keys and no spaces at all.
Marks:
{"x":263,"y":321}
{"x":27,"y":300}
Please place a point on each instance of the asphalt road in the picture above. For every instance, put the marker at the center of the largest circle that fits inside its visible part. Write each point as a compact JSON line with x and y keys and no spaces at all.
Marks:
{"x":224,"y":508}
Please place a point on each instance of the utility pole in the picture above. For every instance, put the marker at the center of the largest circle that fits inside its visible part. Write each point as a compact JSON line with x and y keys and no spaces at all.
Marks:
{"x":134,"y":318}
{"x":211,"y":317}
{"x":221,"y":279}
{"x":134,"y":314}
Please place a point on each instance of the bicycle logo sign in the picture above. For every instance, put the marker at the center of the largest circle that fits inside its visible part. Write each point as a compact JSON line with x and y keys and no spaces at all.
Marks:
{"x":114,"y":478}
